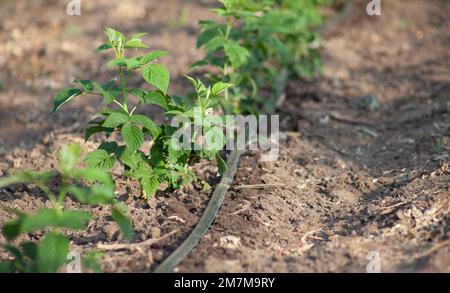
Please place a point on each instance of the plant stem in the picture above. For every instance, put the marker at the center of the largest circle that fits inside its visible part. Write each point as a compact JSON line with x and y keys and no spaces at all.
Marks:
{"x":62,"y":193}
{"x":225,"y":67}
{"x":123,"y":84}
{"x":120,"y":105}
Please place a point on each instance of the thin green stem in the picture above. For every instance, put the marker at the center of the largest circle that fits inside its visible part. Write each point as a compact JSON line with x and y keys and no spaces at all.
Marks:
{"x":62,"y":192}
{"x":120,"y":105}
{"x":134,"y":109}
{"x":123,"y":84}
{"x":48,"y":192}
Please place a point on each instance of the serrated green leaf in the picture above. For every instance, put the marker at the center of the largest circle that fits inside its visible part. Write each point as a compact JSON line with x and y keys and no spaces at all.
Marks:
{"x":104,"y":47}
{"x":94,"y":195}
{"x":115,"y":120}
{"x":130,"y":158}
{"x":91,"y":130}
{"x":220,"y":87}
{"x":27,"y":177}
{"x":147,"y":123}
{"x":198,"y":64}
{"x":69,"y":157}
{"x":138,"y":35}
{"x":100,"y":159}
{"x":149,"y":185}
{"x":64,"y":96}
{"x":94,"y":175}
{"x":132,"y":136}
{"x":119,"y":214}
{"x":44,"y":218}
{"x":177,"y":101}
{"x":237,"y":54}
{"x":52,"y":252}
{"x":107,"y":85}
{"x":158,"y":76}
{"x":143,"y":60}
{"x":87,"y":85}
{"x":155,"y":98}
{"x":115,"y":37}
{"x":130,"y":64}
{"x":215,"y":43}
{"x":137,"y":92}
{"x":134,"y":43}
{"x":214,"y":139}
{"x":205,"y":36}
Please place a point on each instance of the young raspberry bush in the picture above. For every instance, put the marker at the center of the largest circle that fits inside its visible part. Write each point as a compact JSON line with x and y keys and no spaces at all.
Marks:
{"x":51,"y":252}
{"x":162,"y":166}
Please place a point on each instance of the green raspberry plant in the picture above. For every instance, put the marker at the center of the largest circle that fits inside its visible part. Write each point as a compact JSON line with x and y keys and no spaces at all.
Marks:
{"x":161,"y":166}
{"x":256,"y":43}
{"x":50,"y":253}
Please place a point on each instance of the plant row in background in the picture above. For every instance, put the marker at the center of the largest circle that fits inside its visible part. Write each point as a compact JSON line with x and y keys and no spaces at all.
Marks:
{"x":257,"y":45}
{"x":252,"y":47}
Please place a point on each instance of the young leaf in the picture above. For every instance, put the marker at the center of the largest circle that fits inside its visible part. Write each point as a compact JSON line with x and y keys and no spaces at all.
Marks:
{"x":134,"y":43}
{"x":206,"y":36}
{"x":94,"y":175}
{"x":75,"y":220}
{"x":91,"y":130}
{"x":238,"y":55}
{"x":220,"y":87}
{"x":198,"y":64}
{"x":215,"y":43}
{"x":119,"y":214}
{"x":156,"y":98}
{"x":137,"y":92}
{"x":221,"y":165}
{"x":138,"y":35}
{"x":64,"y":96}
{"x":132,"y":135}
{"x":214,"y":139}
{"x":68,"y":157}
{"x":158,"y":76}
{"x":52,"y":252}
{"x":115,"y":120}
{"x":129,"y":63}
{"x":130,"y":158}
{"x":100,"y":159}
{"x":87,"y":85}
{"x":114,"y":36}
{"x":143,"y":60}
{"x":94,"y":195}
{"x":146,"y":123}
{"x":104,"y":47}
{"x":149,"y":186}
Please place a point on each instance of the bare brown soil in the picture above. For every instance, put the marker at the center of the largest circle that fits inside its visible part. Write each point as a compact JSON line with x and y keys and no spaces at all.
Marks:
{"x":361,"y":168}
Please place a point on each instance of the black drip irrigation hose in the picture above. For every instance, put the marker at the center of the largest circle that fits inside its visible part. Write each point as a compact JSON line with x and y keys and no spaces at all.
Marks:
{"x":207,"y":218}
